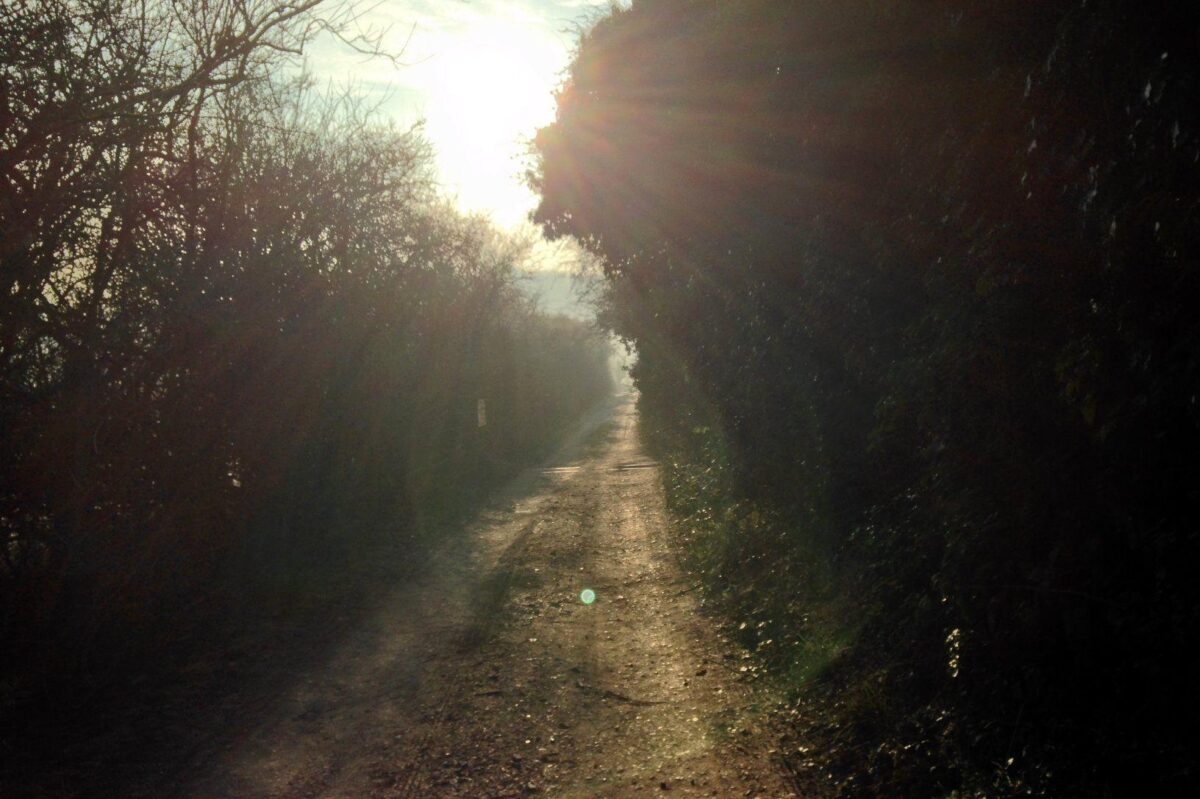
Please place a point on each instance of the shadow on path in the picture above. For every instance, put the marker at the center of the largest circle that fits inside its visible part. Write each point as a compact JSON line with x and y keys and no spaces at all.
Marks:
{"x":272,"y":709}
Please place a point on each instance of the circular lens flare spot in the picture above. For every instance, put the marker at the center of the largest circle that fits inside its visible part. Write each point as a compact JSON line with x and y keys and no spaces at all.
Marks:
{"x":587,"y":596}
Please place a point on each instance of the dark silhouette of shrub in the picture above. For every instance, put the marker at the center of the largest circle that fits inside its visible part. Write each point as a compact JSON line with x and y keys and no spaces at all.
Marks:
{"x":238,"y":329}
{"x":927,"y":273}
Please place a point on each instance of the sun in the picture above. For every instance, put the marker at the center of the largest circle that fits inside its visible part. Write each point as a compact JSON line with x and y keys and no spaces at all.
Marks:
{"x":490,"y":90}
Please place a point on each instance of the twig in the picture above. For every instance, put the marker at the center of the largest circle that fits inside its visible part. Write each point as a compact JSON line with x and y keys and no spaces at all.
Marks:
{"x":610,"y":694}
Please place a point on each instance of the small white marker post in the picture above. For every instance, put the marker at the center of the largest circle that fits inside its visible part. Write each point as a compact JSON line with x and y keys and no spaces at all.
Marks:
{"x":481,"y":413}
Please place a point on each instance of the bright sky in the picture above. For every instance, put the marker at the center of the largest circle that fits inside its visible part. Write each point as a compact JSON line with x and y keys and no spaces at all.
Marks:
{"x":481,"y":73}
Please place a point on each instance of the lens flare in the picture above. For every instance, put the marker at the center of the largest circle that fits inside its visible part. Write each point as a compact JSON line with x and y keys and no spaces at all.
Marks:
{"x":587,"y":596}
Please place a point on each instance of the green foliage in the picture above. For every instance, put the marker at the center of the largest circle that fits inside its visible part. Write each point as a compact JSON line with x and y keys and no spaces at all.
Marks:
{"x":931,"y":273}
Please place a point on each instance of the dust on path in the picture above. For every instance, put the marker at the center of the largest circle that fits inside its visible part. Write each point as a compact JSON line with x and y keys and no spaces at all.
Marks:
{"x":490,"y":678}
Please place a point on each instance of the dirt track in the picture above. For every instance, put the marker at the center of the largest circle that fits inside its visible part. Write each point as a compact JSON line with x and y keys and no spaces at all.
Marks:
{"x":491,"y":678}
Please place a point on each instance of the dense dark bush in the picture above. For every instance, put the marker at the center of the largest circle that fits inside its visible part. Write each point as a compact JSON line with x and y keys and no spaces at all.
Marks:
{"x":238,"y":329}
{"x":927,"y":273}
